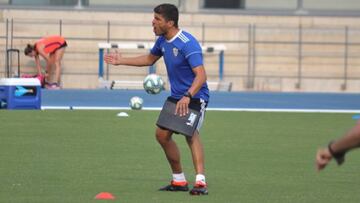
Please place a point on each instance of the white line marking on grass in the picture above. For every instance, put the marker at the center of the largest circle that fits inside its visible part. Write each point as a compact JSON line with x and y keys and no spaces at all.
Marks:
{"x":208,"y":109}
{"x":288,"y":110}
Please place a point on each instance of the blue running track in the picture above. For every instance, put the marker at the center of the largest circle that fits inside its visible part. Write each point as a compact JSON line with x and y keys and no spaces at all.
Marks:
{"x":243,"y":101}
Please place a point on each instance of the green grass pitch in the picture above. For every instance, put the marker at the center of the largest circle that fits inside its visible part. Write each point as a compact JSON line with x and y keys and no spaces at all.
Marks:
{"x":70,"y":156}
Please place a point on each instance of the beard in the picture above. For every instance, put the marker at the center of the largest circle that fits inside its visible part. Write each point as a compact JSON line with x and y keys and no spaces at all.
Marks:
{"x":159,"y":31}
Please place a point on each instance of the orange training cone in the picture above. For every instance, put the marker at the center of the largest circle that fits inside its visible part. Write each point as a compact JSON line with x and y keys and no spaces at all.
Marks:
{"x":104,"y":195}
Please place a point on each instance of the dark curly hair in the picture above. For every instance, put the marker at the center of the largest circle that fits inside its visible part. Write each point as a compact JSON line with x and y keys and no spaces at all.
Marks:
{"x":28,"y":49}
{"x":169,"y":11}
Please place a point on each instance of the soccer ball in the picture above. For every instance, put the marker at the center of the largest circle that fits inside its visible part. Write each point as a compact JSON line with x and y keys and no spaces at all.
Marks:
{"x":136,"y":103}
{"x":153,"y":84}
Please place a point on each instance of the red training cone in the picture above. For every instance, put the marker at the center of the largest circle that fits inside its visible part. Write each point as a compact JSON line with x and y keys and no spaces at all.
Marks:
{"x":104,"y":195}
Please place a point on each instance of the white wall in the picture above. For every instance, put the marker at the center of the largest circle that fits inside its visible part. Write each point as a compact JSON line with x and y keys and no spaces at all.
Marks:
{"x":332,"y":4}
{"x":271,"y":4}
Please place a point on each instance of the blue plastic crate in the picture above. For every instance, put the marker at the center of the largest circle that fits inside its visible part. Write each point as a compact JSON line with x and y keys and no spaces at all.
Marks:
{"x":20,"y":93}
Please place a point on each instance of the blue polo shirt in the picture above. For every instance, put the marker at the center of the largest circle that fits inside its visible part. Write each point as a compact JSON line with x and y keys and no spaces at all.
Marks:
{"x":181,"y":54}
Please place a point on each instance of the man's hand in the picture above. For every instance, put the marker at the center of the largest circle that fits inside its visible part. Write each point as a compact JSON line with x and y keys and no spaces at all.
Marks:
{"x":323,"y":157}
{"x":182,"y":106}
{"x":112,"y":58}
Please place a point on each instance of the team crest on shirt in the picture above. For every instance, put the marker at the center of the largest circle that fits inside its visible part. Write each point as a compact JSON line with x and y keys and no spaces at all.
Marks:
{"x":175,"y":51}
{"x":163,"y":50}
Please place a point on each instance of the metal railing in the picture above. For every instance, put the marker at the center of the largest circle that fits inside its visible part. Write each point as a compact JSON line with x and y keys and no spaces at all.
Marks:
{"x":253,"y":48}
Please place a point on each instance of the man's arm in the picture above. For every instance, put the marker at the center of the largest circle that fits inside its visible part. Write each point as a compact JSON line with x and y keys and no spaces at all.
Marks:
{"x":349,"y":141}
{"x":143,"y":60}
{"x":182,"y":107}
{"x":337,"y":149}
{"x":200,"y":79}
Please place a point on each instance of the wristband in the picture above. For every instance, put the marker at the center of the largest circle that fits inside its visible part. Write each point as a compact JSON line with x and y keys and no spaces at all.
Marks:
{"x":187,"y":94}
{"x":338,"y":156}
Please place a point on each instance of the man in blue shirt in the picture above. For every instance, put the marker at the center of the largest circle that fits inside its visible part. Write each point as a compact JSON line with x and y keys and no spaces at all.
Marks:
{"x":184,"y":63}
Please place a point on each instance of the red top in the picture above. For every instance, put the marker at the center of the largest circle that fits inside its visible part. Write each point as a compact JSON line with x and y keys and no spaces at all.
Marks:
{"x":51,"y":43}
